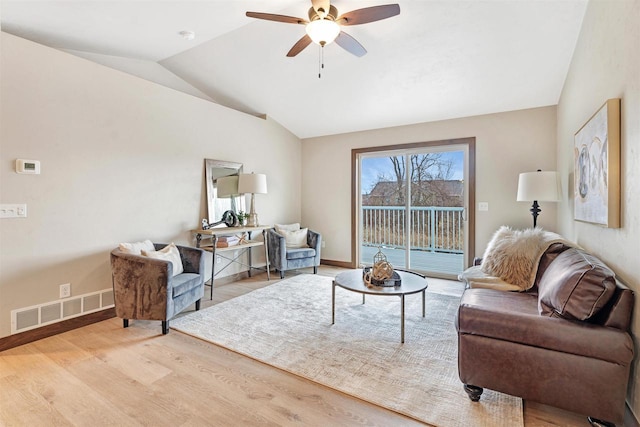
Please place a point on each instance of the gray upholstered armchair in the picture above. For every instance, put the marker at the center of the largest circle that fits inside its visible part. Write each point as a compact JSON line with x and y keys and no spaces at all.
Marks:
{"x":145,"y":288}
{"x":283,"y":258}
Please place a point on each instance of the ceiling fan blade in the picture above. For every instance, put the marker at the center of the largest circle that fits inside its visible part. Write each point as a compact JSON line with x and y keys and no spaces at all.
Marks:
{"x":350,"y":44}
{"x":321,"y":7}
{"x":278,"y":18}
{"x":299,"y":46}
{"x":369,"y":14}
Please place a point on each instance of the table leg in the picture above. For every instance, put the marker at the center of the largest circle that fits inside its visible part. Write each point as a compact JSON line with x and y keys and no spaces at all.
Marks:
{"x":423,"y":303}
{"x":333,"y":303}
{"x":402,"y":319}
{"x":214,"y":239}
{"x":362,"y":298}
{"x":266,"y":252}
{"x":249,"y":255}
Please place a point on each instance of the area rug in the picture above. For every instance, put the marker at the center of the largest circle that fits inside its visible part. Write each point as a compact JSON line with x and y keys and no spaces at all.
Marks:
{"x":288,"y":325}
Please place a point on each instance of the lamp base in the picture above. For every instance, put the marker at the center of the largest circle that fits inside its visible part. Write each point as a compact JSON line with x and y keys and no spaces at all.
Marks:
{"x":252,"y":221}
{"x":535,"y":211}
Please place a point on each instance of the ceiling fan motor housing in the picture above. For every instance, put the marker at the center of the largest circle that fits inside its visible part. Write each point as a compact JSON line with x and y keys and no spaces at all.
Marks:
{"x":331,"y":15}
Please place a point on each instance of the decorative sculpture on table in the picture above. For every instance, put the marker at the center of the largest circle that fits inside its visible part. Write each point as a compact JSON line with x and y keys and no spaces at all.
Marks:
{"x":381,"y":273}
{"x":229,"y":218}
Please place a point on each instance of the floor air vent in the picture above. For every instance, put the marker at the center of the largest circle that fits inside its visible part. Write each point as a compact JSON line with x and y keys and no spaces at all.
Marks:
{"x":24,"y":319}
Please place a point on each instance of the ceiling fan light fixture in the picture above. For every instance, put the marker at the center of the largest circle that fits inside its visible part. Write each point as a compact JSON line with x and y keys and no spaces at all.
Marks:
{"x":322,"y":31}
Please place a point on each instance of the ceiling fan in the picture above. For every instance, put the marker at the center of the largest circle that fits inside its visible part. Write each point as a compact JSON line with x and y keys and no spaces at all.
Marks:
{"x":324,"y":24}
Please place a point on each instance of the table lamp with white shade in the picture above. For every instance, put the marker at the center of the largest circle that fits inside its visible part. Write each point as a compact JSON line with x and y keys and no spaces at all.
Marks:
{"x":253,"y":183}
{"x":540,"y":186}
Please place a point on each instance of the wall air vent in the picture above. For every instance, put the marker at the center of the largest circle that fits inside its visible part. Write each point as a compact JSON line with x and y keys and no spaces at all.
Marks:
{"x":35,"y":316}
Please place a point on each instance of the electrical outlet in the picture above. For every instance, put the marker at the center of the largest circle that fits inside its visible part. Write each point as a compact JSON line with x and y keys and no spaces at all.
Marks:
{"x":483,"y":206}
{"x":218,"y":259}
{"x":323,"y":243}
{"x":65,"y":290}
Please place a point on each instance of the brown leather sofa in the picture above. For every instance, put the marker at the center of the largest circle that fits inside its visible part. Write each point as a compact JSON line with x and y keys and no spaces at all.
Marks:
{"x":565,"y":342}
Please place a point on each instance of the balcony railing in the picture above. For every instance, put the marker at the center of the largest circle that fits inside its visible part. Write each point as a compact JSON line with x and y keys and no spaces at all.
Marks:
{"x":434,"y":229}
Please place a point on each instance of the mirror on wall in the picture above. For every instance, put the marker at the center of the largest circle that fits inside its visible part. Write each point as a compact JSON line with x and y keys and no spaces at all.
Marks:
{"x":220,"y":197}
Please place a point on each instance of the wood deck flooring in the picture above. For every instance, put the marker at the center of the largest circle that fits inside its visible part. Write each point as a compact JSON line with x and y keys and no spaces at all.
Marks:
{"x":103,"y":374}
{"x":437,"y":263}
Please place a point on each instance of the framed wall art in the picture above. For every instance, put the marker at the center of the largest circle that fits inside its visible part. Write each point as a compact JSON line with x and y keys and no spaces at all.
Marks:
{"x":597,"y":167}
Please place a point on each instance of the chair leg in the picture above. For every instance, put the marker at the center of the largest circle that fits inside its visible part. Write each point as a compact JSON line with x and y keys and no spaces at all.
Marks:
{"x":165,"y":327}
{"x":281,"y":274}
{"x":315,"y":269}
{"x":125,"y":323}
{"x":198,"y":304}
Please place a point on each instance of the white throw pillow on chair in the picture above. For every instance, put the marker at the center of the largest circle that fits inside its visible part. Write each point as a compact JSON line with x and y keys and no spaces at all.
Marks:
{"x":137,"y":247}
{"x":295,"y":239}
{"x":168,"y":253}
{"x":286,"y":227}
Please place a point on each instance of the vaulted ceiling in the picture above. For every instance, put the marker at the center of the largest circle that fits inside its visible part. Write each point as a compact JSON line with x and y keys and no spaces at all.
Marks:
{"x":436,"y":60}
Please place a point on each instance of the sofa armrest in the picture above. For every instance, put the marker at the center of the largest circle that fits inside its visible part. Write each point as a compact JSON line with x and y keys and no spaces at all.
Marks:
{"x":192,"y":259}
{"x":277,"y":249}
{"x":314,"y":240}
{"x":140,"y":285}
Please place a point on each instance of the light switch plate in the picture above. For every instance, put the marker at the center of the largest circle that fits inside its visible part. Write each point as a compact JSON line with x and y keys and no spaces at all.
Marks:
{"x":13,"y":210}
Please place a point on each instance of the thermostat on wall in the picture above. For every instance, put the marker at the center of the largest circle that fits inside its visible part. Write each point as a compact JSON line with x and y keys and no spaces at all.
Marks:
{"x":28,"y":166}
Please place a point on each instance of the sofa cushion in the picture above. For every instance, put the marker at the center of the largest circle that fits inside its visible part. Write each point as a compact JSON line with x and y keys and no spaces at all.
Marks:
{"x":184,"y":282}
{"x":300,"y":253}
{"x":576,"y":285}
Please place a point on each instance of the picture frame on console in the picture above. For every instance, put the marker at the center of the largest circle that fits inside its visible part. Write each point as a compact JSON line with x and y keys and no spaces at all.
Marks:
{"x":597,"y":167}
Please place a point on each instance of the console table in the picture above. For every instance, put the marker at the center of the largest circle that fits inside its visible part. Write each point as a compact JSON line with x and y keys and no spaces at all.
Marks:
{"x":243,"y":247}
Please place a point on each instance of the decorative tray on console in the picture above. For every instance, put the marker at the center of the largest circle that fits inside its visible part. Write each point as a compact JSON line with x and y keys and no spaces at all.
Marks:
{"x":395,"y":280}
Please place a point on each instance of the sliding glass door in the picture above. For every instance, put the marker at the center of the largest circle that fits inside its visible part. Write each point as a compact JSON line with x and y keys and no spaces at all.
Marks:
{"x":413,"y":206}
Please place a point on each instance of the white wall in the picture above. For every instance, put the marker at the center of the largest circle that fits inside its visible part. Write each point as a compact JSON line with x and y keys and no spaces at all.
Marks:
{"x":122,"y":160}
{"x":506,"y":144}
{"x":606,"y":64}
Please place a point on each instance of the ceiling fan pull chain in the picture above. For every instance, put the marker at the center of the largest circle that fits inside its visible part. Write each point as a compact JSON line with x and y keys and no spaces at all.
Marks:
{"x":320,"y":61}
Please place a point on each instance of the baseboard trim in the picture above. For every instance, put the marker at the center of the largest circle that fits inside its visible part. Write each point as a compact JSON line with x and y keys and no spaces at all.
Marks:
{"x":26,"y":337}
{"x":343,"y":264}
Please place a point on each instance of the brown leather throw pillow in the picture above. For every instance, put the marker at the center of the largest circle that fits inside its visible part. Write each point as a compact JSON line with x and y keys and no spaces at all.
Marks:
{"x":575,"y":286}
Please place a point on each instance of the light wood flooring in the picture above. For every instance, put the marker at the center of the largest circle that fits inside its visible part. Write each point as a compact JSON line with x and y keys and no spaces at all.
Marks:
{"x":103,"y":374}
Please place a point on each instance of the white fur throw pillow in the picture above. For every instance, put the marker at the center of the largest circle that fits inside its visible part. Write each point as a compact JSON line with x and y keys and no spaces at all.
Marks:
{"x":513,"y":255}
{"x":168,"y":253}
